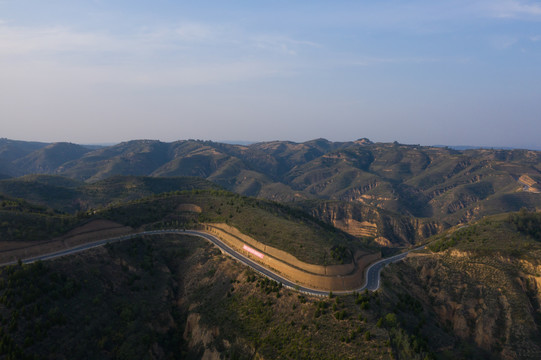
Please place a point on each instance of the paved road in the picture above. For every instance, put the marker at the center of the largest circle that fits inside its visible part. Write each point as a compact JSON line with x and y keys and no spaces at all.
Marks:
{"x":374,"y":271}
{"x":372,"y":274}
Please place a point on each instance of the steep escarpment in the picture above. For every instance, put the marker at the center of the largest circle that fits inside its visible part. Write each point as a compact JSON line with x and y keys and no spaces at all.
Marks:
{"x":383,"y":227}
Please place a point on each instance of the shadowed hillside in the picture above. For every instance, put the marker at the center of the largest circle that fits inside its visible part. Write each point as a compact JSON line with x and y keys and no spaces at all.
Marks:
{"x":69,"y":195}
{"x":48,"y":159}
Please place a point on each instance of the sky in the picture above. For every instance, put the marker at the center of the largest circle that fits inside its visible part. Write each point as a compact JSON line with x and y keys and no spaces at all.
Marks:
{"x":452,"y":72}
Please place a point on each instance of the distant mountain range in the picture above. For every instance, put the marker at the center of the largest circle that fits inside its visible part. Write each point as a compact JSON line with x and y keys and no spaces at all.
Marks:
{"x":396,"y":193}
{"x":469,"y":147}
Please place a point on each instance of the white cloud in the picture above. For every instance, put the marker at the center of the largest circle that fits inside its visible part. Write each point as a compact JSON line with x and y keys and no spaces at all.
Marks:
{"x":24,"y":40}
{"x":535,"y":38}
{"x":513,"y":8}
{"x":169,"y":56}
{"x":195,"y":32}
{"x":282,"y":44}
{"x":369,"y":61}
{"x":503,"y":42}
{"x":187,"y":37}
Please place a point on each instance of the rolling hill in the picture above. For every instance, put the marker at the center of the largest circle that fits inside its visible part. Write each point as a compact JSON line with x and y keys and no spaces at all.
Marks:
{"x":406,"y":192}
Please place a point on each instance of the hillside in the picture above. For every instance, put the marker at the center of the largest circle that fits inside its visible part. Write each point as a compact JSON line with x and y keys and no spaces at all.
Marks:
{"x":408,"y":191}
{"x":173,"y":297}
{"x":473,"y":293}
{"x":157,"y":203}
{"x":70,"y":195}
{"x":168,"y":297}
{"x":11,"y":150}
{"x":22,"y":221}
{"x":482,"y":282}
{"x":273,"y":224}
{"x":48,"y":159}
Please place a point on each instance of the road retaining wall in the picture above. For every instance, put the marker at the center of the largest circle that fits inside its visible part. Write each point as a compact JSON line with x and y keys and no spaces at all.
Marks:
{"x":332,"y":277}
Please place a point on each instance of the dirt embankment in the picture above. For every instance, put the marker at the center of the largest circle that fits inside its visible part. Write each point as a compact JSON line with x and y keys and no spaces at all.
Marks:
{"x":333,"y":277}
{"x":92,"y":231}
{"x":530,"y":185}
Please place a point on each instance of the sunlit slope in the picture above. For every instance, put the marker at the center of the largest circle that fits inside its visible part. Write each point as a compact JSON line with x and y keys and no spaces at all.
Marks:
{"x":156,"y":203}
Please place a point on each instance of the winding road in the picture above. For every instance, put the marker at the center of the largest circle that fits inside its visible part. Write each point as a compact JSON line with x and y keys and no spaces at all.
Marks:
{"x":372,"y":281}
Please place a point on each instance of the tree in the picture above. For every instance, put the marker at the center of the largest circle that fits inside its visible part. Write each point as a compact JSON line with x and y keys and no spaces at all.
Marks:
{"x":390,"y":320}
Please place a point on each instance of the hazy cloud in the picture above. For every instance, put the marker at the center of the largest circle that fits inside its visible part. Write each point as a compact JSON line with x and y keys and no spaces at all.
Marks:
{"x":194,"y":32}
{"x":282,"y":44}
{"x":24,"y":40}
{"x":169,"y":56}
{"x":513,"y":8}
{"x":368,"y":61}
{"x":503,"y":42}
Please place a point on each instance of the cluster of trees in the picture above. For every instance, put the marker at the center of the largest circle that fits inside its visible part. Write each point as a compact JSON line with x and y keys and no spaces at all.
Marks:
{"x":404,"y":324}
{"x":22,"y":291}
{"x":443,"y":244}
{"x":526,"y":222}
{"x":267,"y":286}
{"x":341,"y":254}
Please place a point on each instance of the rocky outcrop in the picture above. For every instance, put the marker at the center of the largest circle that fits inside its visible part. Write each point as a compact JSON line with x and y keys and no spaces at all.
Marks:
{"x":385,"y":228}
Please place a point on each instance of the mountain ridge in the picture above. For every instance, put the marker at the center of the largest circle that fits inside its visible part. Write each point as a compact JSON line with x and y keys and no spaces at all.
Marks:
{"x":409,"y":182}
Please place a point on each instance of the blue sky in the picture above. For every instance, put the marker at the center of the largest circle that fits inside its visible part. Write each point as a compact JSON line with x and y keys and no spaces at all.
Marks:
{"x":429,"y":72}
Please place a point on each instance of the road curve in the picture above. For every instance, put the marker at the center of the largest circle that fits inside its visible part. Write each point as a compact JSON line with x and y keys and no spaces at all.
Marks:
{"x":372,"y":281}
